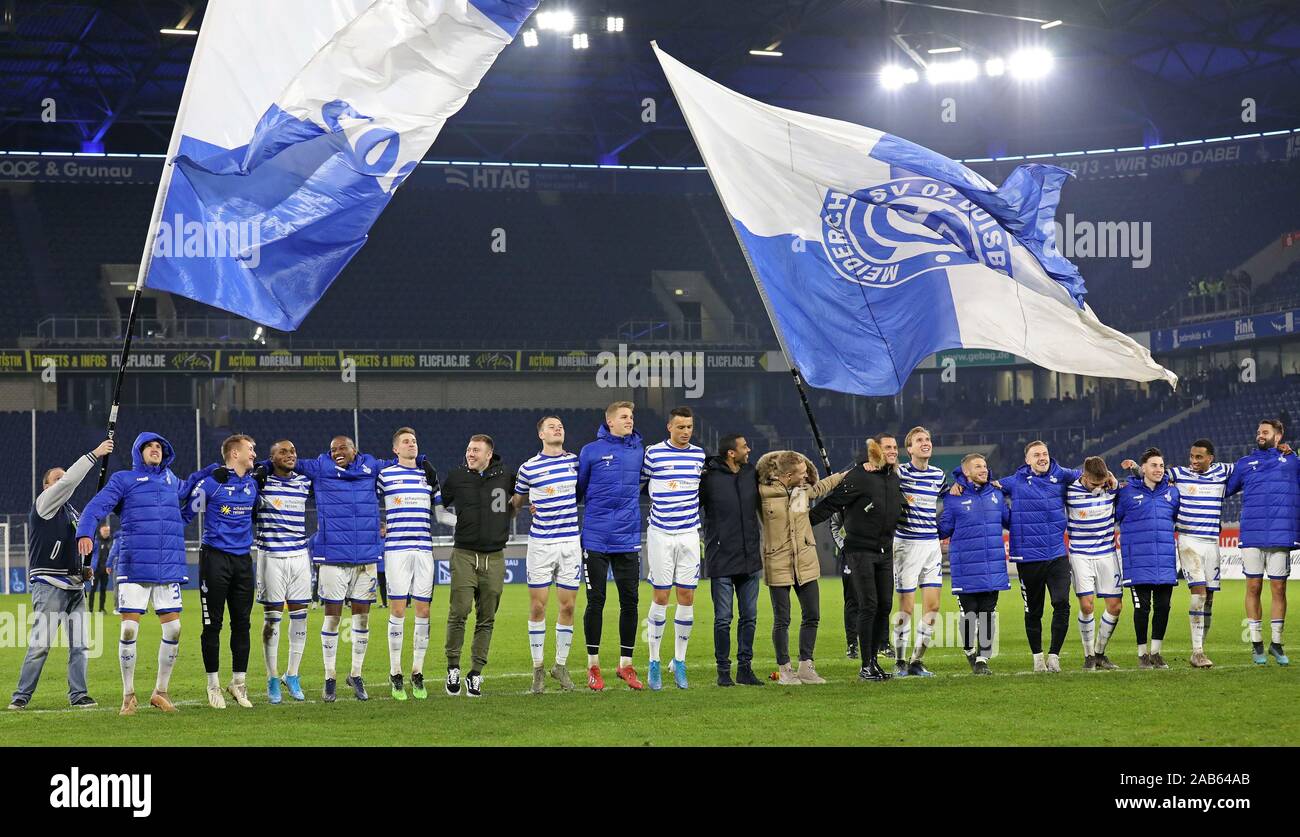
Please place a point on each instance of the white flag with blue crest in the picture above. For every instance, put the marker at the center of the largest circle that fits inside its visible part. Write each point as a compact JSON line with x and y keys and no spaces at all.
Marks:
{"x":873,"y":253}
{"x":299,"y":120}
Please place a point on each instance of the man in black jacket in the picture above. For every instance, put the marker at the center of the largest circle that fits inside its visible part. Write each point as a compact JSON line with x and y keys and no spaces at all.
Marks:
{"x":733,"y":565}
{"x":872,"y":504}
{"x":482,"y":493}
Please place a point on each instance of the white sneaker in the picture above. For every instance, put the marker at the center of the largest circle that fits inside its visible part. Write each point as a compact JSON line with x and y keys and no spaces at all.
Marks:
{"x":1039,"y":663}
{"x":239,"y":691}
{"x":215,"y":700}
{"x":1054,"y":663}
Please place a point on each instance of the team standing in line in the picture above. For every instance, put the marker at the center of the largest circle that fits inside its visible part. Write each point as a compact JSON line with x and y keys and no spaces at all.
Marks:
{"x":756,"y":521}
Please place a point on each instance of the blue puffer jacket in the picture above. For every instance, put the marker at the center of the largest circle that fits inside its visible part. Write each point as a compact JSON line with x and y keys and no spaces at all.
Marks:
{"x":147,"y":501}
{"x":609,"y":486}
{"x":347,"y":508}
{"x":1038,"y":511}
{"x":974,"y":522}
{"x":1146,"y":532}
{"x":1270,"y":506}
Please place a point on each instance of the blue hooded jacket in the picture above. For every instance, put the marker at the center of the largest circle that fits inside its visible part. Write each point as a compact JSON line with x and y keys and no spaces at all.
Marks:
{"x":147,"y":501}
{"x":1270,"y":506}
{"x":609,"y":486}
{"x":1148,"y":552}
{"x":974,"y":522}
{"x":1038,"y":511}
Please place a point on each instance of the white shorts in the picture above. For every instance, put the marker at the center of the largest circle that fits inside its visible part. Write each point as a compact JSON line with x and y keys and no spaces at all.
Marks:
{"x":409,"y":573}
{"x":137,"y":598}
{"x":917,"y":564}
{"x":673,"y":558}
{"x":554,"y":561}
{"x":340,"y":583}
{"x":1096,"y":575}
{"x":283,"y":577}
{"x":1256,"y":562}
{"x":1199,"y":560}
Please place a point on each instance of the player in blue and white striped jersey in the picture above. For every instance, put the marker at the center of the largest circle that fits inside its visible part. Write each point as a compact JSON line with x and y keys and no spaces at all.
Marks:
{"x":917,"y":556}
{"x":671,"y":470}
{"x":411,"y":499}
{"x":1094,"y":561}
{"x":548,"y":483}
{"x":283,"y":566}
{"x":1201,"y":488}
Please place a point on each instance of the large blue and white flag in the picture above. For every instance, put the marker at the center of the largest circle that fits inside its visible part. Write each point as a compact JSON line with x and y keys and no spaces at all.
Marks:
{"x":872,"y":253}
{"x":298,"y":121}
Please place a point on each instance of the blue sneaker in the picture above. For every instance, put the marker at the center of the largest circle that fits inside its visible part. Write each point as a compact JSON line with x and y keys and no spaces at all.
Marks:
{"x":901,"y":669}
{"x":328,"y":694}
{"x":655,"y":677}
{"x":1278,"y":654}
{"x":679,"y":673}
{"x":273,"y":690}
{"x":293,"y":683}
{"x":1257,"y":655}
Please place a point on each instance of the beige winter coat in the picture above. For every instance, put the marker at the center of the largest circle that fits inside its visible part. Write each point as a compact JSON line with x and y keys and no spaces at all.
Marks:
{"x":789,"y":550}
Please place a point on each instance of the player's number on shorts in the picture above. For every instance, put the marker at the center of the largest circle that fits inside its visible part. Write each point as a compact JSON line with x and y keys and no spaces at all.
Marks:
{"x":176,"y":592}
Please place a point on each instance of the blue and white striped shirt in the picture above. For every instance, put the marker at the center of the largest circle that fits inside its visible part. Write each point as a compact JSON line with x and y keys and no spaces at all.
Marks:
{"x":551,"y":484}
{"x":408,"y":508}
{"x":1091,"y":520}
{"x":281,"y":516}
{"x":921,"y":490}
{"x":674,"y":477}
{"x":1200,"y":506}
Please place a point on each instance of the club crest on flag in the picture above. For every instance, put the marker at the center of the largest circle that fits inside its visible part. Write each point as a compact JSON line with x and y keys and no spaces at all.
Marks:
{"x":891,"y":237}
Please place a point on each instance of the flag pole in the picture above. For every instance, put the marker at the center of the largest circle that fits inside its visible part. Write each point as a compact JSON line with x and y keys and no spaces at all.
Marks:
{"x":121,"y":372}
{"x":767,"y":303}
{"x":146,"y":261}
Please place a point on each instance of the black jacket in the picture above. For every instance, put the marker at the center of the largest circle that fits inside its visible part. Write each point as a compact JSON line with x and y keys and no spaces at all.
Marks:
{"x":482,"y":505}
{"x":872,"y":503}
{"x":729,"y":506}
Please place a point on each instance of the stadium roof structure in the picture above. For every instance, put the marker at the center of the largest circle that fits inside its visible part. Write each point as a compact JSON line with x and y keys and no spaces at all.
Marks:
{"x":1125,"y":73}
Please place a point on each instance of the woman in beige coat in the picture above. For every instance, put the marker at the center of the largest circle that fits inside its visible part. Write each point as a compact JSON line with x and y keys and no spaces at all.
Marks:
{"x":787,"y":487}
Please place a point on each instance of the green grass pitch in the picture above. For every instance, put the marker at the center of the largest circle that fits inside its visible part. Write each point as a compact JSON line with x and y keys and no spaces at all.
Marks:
{"x":1237,"y":703}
